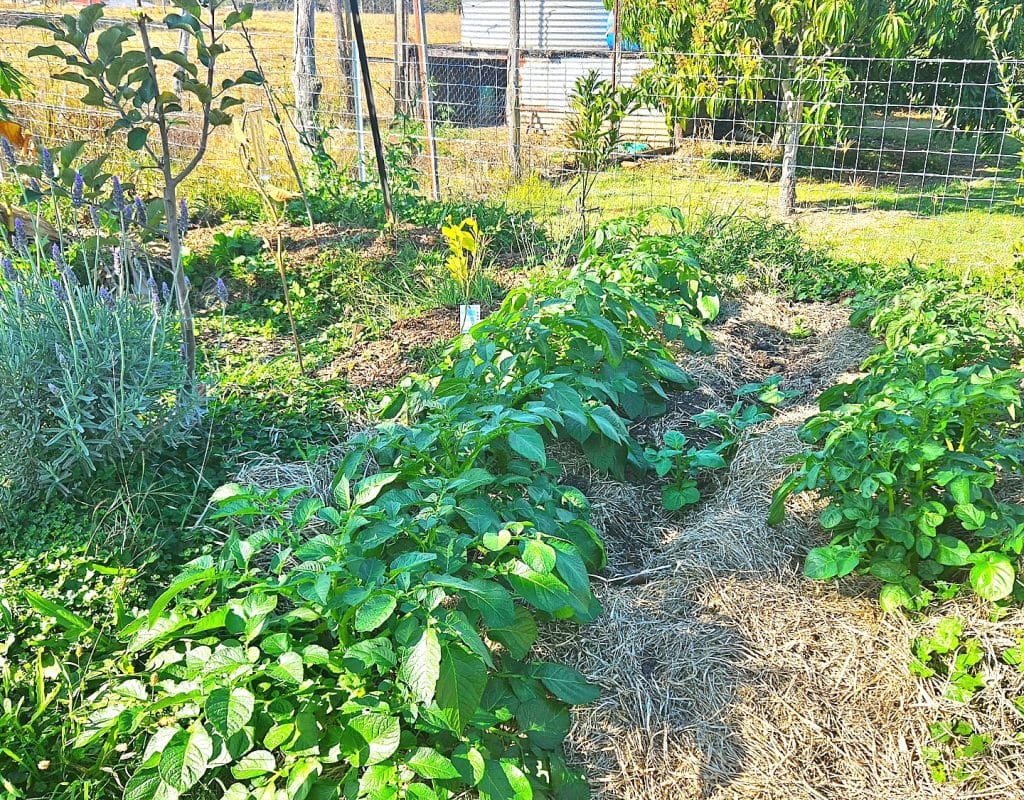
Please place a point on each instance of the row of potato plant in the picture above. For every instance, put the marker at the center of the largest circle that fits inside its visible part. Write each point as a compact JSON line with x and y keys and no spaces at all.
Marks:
{"x":916,"y":457}
{"x":380,"y":644}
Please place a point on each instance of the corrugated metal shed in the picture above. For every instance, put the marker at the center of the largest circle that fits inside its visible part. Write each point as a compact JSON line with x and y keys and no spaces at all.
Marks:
{"x":545,"y":24}
{"x":548,"y":81}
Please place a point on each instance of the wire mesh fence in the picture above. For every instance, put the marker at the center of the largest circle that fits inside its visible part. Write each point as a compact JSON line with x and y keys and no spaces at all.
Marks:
{"x":925,"y":136}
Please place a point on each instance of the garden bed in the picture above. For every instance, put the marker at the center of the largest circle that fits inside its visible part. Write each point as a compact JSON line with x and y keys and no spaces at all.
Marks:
{"x":727,"y":674}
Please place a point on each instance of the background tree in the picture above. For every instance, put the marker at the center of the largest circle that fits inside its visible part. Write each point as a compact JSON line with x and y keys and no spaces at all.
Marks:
{"x":140,"y":85}
{"x":793,"y":53}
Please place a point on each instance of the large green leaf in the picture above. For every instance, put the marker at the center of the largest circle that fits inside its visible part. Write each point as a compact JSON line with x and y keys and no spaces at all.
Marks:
{"x":373,"y":613}
{"x":185,"y":759}
{"x":504,"y":780}
{"x":422,"y":665}
{"x":148,"y":785}
{"x":68,"y":620}
{"x":543,"y":591}
{"x":529,"y":444}
{"x":254,"y":764}
{"x":460,"y":685}
{"x":519,"y":636}
{"x":992,"y":576}
{"x":567,"y":684}
{"x":377,"y":735}
{"x":428,"y":763}
{"x":229,"y":710}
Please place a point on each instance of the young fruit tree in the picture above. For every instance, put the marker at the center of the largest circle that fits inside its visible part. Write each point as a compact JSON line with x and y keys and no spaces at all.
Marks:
{"x":711,"y":55}
{"x":152,"y":91}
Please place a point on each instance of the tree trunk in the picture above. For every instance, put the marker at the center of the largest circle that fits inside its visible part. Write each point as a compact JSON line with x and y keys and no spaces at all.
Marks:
{"x":512,"y":103}
{"x":678,"y":134}
{"x":188,"y":331}
{"x":305,"y":80}
{"x":792,"y":109}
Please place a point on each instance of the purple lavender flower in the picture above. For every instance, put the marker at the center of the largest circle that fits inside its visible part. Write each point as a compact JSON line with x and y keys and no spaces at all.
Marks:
{"x":183,"y":220}
{"x":10,"y":273}
{"x":78,"y":190}
{"x":222,"y":292}
{"x":154,"y":295}
{"x":58,"y":291}
{"x":9,"y":154}
{"x":61,"y":358}
{"x":106,"y":297}
{"x":47,"y":159}
{"x":117,"y":195}
{"x":165,"y":291}
{"x":58,"y":257}
{"x":141,"y":216}
{"x":94,"y":214}
{"x":53,"y":389}
{"x":20,"y":237}
{"x":34,"y":186}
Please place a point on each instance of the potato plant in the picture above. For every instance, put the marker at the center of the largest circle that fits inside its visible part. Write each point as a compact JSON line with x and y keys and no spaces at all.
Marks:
{"x":380,"y":645}
{"x":911,"y":458}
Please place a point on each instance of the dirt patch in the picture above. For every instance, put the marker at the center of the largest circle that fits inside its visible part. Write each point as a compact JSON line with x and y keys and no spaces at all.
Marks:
{"x":725,"y":673}
{"x":385,"y":361}
{"x":304,"y":244}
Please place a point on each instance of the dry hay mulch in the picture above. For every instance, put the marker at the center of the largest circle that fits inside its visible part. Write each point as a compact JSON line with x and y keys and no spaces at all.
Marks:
{"x":725,"y":673}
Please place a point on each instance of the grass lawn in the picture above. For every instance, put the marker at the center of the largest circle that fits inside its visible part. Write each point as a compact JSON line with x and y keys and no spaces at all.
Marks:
{"x":858,"y":224}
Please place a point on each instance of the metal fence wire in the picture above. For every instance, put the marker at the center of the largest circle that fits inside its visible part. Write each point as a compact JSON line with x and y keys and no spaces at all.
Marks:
{"x":925,"y":136}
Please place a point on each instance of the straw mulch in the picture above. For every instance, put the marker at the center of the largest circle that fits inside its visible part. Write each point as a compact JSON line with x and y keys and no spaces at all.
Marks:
{"x":725,"y":674}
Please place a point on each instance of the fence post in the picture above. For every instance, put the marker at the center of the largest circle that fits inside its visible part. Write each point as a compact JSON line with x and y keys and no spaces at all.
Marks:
{"x":616,"y":43}
{"x":428,"y":111}
{"x":304,"y":78}
{"x":512,"y":99}
{"x":184,"y":39}
{"x":401,"y":82}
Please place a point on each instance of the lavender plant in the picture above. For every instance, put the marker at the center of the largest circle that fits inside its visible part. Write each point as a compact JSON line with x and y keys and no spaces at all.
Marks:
{"x":90,"y":375}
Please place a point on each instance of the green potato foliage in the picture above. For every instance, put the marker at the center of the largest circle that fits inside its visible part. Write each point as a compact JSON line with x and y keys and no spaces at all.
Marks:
{"x":379,"y":643}
{"x":912,"y":457}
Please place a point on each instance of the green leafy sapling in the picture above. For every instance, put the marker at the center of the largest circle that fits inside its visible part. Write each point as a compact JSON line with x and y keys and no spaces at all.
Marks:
{"x":682,"y":463}
{"x":150,"y":92}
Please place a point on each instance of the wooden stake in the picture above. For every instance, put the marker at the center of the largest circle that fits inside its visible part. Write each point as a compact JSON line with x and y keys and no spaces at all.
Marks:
{"x":512,"y":101}
{"x":288,"y":305}
{"x":428,"y":111}
{"x":371,"y":110}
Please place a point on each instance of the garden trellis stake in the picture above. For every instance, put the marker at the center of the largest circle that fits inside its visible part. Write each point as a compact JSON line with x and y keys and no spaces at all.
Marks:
{"x":371,"y":108}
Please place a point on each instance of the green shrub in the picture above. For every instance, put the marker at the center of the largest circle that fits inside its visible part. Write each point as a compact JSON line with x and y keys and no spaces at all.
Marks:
{"x":88,"y":378}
